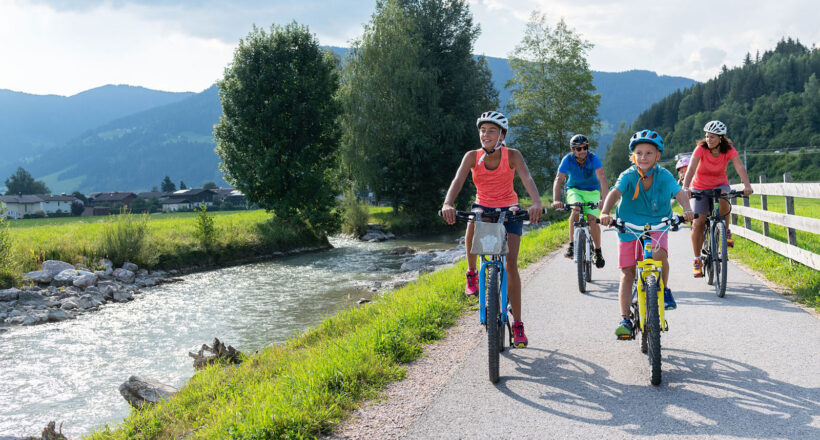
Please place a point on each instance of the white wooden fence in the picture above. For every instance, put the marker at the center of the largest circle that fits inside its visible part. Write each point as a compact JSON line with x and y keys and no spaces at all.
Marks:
{"x":790,"y":221}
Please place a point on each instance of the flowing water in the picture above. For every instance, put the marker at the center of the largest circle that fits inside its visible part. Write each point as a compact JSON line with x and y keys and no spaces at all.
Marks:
{"x":70,"y":371}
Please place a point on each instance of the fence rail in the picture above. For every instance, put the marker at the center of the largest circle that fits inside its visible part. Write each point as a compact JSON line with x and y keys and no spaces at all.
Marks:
{"x":791,"y":222}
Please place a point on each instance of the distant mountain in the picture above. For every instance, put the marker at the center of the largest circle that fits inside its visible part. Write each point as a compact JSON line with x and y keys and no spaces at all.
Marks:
{"x":136,"y":152}
{"x":33,"y":124}
{"x":121,"y":143}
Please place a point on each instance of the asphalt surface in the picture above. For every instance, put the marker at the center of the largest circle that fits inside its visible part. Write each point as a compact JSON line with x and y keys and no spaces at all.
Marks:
{"x":746,"y":366}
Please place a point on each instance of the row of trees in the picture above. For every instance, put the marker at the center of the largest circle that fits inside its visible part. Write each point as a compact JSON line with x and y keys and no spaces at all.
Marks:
{"x":396,"y":115}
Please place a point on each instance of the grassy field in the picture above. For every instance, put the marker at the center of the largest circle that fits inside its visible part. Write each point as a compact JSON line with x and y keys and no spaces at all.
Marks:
{"x":305,"y":387}
{"x":170,"y":240}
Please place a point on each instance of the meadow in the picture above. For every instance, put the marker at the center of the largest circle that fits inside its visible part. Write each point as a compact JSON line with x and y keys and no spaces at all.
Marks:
{"x":170,"y":240}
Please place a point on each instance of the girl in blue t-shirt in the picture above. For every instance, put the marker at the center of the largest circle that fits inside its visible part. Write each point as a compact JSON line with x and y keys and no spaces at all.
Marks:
{"x":648,"y":189}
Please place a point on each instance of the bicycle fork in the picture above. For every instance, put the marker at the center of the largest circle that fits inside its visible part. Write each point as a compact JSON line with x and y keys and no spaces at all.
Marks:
{"x":482,"y":291}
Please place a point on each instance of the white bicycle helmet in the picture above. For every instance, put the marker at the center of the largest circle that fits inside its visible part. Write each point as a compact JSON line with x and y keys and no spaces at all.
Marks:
{"x":716,"y":127}
{"x":494,"y":117}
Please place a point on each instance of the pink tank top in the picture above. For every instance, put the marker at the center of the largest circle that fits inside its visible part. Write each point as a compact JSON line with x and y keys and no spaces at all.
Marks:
{"x":494,"y":188}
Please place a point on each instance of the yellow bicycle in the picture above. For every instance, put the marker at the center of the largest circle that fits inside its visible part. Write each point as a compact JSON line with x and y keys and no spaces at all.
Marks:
{"x":647,"y":296}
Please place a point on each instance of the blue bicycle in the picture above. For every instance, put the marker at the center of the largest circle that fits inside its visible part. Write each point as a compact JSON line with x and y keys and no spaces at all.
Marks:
{"x":492,"y":279}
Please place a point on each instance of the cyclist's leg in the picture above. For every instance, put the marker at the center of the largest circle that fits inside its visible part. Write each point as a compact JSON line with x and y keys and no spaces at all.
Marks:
{"x":594,"y":230}
{"x":468,"y":244}
{"x":701,"y":208}
{"x":513,"y":277}
{"x":660,"y":252}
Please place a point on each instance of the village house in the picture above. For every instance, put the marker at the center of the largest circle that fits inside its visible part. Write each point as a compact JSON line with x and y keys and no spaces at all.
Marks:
{"x":20,"y":206}
{"x":16,"y":207}
{"x":111,"y":200}
{"x":187,"y":199}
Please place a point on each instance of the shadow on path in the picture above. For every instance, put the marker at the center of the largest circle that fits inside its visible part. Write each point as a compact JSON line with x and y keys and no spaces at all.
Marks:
{"x":701,"y":394}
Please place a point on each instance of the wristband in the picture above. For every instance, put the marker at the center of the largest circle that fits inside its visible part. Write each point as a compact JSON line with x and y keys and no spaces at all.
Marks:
{"x":687,"y":210}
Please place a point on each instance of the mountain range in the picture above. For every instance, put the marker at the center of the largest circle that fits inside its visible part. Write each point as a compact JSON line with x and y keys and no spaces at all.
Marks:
{"x":125,"y":138}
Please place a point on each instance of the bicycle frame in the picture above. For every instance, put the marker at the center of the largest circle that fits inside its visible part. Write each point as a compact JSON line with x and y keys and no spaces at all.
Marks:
{"x":499,"y":261}
{"x":646,"y":267}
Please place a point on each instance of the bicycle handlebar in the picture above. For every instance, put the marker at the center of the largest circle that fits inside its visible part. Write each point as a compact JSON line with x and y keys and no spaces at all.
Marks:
{"x":570,"y":206}
{"x":673,"y":222}
{"x":513,"y":216}
{"x":713,"y":194}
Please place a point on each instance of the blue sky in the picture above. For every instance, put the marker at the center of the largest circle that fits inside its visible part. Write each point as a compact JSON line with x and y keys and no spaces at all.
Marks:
{"x":67,"y":46}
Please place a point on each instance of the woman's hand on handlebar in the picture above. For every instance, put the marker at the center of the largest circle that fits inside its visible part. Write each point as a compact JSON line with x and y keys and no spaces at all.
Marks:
{"x":535,"y":212}
{"x":605,"y":219}
{"x":688,"y":216}
{"x":747,"y":190}
{"x":558,"y":204}
{"x":448,"y":212}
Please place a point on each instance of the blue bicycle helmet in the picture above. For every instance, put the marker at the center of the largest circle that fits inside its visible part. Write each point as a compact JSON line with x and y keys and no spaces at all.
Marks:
{"x":647,"y":136}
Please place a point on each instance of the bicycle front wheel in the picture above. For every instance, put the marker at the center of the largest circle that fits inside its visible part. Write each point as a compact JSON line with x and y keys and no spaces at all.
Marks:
{"x":707,"y":252}
{"x":653,"y":327}
{"x":493,"y":320}
{"x":720,"y":258}
{"x":581,"y":257}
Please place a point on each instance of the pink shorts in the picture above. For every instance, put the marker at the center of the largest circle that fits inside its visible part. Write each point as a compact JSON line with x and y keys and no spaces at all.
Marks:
{"x":630,"y":252}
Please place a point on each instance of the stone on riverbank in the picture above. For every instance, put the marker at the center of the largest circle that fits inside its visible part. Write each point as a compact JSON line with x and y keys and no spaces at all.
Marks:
{"x":9,"y":294}
{"x":124,"y":275}
{"x":220,"y":353}
{"x":56,"y":266}
{"x":139,"y":392}
{"x":39,"y":276}
{"x":65,"y":277}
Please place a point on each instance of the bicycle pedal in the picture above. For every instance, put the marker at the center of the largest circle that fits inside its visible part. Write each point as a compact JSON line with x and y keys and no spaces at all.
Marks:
{"x":625,"y":337}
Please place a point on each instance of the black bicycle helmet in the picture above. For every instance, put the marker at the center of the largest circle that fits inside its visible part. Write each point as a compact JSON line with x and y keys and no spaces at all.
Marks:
{"x":578,"y":139}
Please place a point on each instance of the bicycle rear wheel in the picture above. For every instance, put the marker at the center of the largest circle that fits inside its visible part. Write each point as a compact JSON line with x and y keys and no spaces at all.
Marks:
{"x":653,"y":326}
{"x":580,"y":256}
{"x":706,"y":262}
{"x":720,"y":258}
{"x":493,"y":320}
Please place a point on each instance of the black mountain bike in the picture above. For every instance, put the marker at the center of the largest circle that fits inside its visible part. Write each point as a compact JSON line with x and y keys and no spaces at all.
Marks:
{"x":582,"y":244}
{"x":714,"y":255}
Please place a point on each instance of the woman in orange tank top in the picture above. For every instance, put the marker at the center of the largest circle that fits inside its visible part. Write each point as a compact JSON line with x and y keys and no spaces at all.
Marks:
{"x":493,"y":167}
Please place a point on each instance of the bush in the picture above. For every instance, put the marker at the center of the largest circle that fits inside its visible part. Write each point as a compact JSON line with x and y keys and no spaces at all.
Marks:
{"x":8,"y":268}
{"x":205,"y":230}
{"x":354,"y":220}
{"x":124,"y":238}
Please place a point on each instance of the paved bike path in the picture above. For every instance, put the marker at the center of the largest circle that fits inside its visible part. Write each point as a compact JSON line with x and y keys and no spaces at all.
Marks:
{"x":743,"y":366}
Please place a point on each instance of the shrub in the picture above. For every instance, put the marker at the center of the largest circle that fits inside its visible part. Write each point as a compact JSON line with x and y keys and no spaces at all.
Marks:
{"x":205,"y":231}
{"x":123,"y":239}
{"x":8,"y":268}
{"x":354,"y":220}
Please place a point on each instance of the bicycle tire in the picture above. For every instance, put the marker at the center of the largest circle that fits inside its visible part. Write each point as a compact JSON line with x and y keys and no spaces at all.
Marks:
{"x":720,"y":258}
{"x":653,"y":322}
{"x":502,"y":328}
{"x":706,"y":264}
{"x":580,"y":249}
{"x":493,"y":322}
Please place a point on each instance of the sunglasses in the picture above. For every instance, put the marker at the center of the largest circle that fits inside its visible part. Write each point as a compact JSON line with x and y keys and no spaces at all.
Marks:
{"x":581,"y":148}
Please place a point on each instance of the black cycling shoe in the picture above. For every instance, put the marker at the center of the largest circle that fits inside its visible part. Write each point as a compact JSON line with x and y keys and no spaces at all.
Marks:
{"x":599,"y":259}
{"x":570,"y":252}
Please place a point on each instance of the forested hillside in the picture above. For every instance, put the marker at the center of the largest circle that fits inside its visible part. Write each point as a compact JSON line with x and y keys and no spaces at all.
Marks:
{"x":770,"y":103}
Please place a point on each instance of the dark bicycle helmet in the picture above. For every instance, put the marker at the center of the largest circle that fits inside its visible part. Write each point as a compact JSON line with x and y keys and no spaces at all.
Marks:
{"x":646,"y":136}
{"x":578,"y":139}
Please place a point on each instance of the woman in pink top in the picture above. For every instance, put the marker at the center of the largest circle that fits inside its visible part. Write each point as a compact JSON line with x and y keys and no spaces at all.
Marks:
{"x":707,"y":171}
{"x":494,"y":167}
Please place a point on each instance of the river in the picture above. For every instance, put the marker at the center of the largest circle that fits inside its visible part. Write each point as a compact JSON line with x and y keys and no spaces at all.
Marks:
{"x":70,"y":371}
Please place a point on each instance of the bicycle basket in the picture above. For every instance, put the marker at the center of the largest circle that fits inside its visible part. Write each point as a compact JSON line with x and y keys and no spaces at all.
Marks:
{"x":489,"y":239}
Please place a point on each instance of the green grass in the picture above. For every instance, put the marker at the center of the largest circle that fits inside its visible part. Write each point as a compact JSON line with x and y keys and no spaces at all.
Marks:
{"x":171,"y":240}
{"x":802,"y":208}
{"x":306,"y":387}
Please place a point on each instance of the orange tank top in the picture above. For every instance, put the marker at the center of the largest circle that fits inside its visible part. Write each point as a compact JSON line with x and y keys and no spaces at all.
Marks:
{"x":494,"y":188}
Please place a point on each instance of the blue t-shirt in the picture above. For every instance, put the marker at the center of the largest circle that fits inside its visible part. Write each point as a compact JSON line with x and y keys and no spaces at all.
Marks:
{"x":652,"y":205}
{"x":581,"y":178}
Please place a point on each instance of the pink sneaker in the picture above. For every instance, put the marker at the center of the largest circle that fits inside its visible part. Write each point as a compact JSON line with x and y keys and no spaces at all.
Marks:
{"x":472,"y":283}
{"x":519,"y":339}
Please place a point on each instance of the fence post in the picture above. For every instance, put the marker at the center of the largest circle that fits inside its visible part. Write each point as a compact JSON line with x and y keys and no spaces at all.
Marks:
{"x":764,"y":205}
{"x":787,"y":178}
{"x":747,"y":221}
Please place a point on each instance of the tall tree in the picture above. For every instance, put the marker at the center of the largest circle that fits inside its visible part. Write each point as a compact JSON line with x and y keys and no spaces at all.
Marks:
{"x":411,"y":92}
{"x":21,"y":182}
{"x":278,"y":137}
{"x":182,"y":185}
{"x":552,"y":95}
{"x":209,"y":185}
{"x":168,"y":185}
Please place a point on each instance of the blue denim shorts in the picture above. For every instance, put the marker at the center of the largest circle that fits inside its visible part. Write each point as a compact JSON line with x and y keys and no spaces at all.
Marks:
{"x":516,"y":228}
